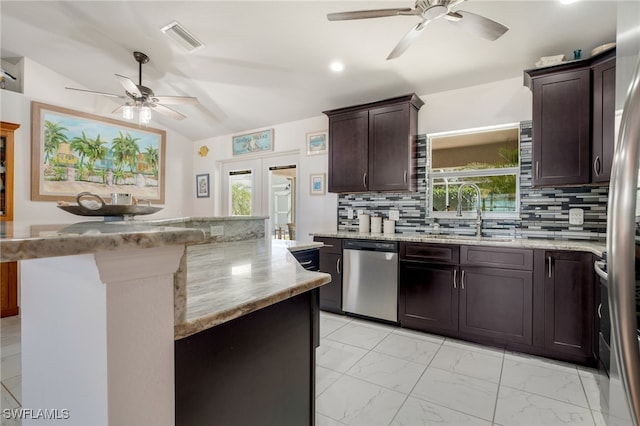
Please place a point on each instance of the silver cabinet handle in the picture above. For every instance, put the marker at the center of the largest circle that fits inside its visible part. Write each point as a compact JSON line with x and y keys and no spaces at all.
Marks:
{"x":596,"y":165}
{"x":327,"y":245}
{"x":550,"y":271}
{"x":600,"y":311}
{"x":338,"y":265}
{"x":364,"y":180}
{"x":308,"y":262}
{"x":598,"y":265}
{"x":405,"y":176}
{"x":537,"y":169}
{"x":455,"y":276}
{"x":462,"y":280}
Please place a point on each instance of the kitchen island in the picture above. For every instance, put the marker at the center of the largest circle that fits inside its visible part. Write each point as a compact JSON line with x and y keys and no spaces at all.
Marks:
{"x":98,"y":316}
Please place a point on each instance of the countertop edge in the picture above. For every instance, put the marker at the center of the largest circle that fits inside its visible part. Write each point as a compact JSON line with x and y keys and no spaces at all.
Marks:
{"x":586,"y":246}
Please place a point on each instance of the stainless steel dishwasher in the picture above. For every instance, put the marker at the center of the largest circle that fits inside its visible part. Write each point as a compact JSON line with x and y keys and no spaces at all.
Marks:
{"x":370,"y":280}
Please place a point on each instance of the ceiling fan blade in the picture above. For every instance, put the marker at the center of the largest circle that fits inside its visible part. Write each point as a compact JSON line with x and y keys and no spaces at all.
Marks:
{"x":406,"y":41}
{"x":168,"y":111}
{"x":479,"y":25}
{"x":93,"y":92}
{"x":366,"y":14}
{"x":129,"y":85}
{"x":174,"y":100}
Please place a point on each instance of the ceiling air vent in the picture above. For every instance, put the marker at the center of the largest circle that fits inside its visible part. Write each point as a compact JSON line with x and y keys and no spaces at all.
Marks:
{"x":180,"y":34}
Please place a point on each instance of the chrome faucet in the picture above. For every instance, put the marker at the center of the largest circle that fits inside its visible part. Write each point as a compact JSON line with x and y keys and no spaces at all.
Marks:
{"x":479,"y":206}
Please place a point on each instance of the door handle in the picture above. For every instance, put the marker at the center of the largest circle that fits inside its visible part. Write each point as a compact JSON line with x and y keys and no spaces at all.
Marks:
{"x":600,"y":311}
{"x":364,"y":180}
{"x":462,"y":280}
{"x":550,"y":271}
{"x":308,"y":262}
{"x":596,"y":165}
{"x":405,"y":176}
{"x":599,"y":268}
{"x":537,"y":169}
{"x":455,"y":276}
{"x":338,"y":265}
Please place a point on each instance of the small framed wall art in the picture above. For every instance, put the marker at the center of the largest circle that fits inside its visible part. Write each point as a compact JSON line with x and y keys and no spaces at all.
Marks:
{"x":253,"y":142}
{"x":317,"y":184}
{"x":202,"y":185}
{"x":317,"y":143}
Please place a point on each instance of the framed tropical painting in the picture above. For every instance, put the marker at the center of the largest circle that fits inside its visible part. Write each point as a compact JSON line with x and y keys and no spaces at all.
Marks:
{"x":73,"y":152}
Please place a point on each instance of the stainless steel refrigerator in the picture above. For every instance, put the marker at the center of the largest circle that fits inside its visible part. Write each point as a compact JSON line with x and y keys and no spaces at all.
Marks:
{"x":623,"y":226}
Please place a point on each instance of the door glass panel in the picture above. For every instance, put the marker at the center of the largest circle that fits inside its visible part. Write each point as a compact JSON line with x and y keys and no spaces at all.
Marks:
{"x":240,"y":192}
{"x":282,"y":195}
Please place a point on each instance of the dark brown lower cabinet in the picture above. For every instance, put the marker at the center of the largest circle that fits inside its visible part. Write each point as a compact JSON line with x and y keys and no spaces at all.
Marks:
{"x":568,"y":304}
{"x":9,"y":289}
{"x":258,"y":369}
{"x":497,"y":304}
{"x":429,"y":297}
{"x":331,"y":263}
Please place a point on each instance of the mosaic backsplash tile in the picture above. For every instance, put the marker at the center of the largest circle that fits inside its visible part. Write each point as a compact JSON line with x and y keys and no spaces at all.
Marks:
{"x":544,"y":212}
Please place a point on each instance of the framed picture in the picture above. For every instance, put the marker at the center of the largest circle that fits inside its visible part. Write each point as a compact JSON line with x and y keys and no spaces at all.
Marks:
{"x":253,"y":142}
{"x":202,"y":185}
{"x":73,"y":152}
{"x":317,"y":186}
{"x":317,"y":143}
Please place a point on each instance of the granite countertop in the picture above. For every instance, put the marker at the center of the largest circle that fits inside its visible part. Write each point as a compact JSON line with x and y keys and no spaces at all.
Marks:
{"x":21,"y":241}
{"x":294,"y":246}
{"x":188,"y":219}
{"x":228,"y":280}
{"x":586,"y":246}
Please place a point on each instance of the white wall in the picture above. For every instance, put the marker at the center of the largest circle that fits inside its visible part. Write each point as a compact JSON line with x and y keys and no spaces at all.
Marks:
{"x":43,"y":85}
{"x":500,"y":102}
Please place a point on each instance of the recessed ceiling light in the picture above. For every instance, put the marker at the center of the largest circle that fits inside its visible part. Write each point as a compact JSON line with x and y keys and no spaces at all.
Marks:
{"x":336,"y":66}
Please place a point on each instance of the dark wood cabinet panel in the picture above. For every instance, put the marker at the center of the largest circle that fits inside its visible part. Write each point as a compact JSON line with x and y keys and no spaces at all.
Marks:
{"x":568,"y":302}
{"x":561,"y":128}
{"x":372,"y":146}
{"x":392,"y":144}
{"x":348,"y":152}
{"x":330,"y":258}
{"x":499,"y":257}
{"x":9,"y":289}
{"x":604,"y":105}
{"x":429,"y":297}
{"x":438,"y":253}
{"x":497,"y":304}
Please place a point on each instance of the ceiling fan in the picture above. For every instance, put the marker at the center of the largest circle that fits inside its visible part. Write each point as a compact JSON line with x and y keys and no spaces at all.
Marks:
{"x":429,"y":10}
{"x":141,"y":97}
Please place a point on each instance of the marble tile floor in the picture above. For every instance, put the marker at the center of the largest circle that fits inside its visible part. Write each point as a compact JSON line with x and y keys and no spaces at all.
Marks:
{"x":371,"y":374}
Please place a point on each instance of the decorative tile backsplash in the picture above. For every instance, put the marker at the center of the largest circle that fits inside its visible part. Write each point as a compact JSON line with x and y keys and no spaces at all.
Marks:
{"x":544,"y":212}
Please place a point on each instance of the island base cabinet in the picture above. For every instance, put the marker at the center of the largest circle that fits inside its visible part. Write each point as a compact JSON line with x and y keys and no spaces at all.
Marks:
{"x":497,"y":304}
{"x":429,"y":297}
{"x":258,"y":369}
{"x":330,"y":262}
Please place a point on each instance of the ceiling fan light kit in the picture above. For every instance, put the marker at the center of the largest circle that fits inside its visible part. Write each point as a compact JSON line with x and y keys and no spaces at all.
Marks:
{"x":429,"y":10}
{"x":141,"y":99}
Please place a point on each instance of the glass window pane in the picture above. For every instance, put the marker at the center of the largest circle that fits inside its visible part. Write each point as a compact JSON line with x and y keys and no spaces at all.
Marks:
{"x":498,"y":193}
{"x":480,"y":150}
{"x":241,"y":191}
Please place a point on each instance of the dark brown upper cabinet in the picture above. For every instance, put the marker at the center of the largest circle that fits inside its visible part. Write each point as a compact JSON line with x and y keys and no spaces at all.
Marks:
{"x":573,"y":115}
{"x":372,"y":147}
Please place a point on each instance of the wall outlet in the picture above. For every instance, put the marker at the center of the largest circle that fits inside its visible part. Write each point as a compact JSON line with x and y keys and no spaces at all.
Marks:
{"x":394,"y":214}
{"x":216,"y":231}
{"x":349,"y":213}
{"x":576,"y":216}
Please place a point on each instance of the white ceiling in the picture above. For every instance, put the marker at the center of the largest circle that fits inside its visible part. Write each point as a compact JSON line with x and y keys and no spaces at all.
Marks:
{"x":266,"y":62}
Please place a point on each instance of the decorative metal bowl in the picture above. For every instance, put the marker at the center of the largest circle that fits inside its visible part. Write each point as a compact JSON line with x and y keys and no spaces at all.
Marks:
{"x":111,"y":212}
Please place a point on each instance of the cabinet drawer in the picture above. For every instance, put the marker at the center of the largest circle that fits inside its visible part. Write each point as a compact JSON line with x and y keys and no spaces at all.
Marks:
{"x":499,"y":257}
{"x":439,"y":253}
{"x":308,"y":259}
{"x":331,"y":245}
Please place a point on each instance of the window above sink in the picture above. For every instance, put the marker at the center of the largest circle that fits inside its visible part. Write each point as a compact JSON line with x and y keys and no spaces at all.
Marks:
{"x":488,"y":157}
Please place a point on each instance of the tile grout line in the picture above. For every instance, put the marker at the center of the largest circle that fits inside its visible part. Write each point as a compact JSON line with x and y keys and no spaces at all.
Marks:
{"x":495,"y":406}
{"x":11,"y":394}
{"x":587,"y":398}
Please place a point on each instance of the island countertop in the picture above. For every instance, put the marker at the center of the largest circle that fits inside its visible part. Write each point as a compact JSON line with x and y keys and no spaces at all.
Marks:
{"x":228,"y":280}
{"x":22,"y":241}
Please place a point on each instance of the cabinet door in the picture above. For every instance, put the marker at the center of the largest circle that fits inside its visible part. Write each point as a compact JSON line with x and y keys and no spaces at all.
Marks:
{"x":9,"y":289}
{"x":497,"y":303}
{"x":331,"y":294}
{"x":568,"y":303}
{"x":391,"y":148}
{"x":604,"y":105}
{"x":429,"y":297}
{"x":348,"y":151}
{"x":561,"y":128}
